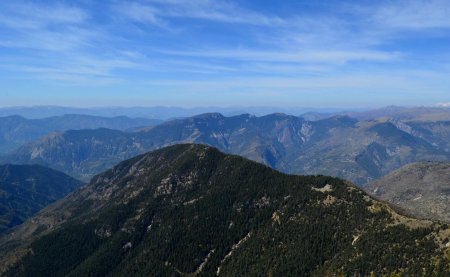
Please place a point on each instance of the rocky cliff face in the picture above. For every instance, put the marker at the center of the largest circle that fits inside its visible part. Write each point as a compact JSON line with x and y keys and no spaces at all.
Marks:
{"x":422,"y":189}
{"x":192,"y":210}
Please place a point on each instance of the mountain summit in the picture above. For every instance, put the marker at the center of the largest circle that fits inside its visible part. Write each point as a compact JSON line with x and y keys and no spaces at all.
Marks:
{"x":191,"y":210}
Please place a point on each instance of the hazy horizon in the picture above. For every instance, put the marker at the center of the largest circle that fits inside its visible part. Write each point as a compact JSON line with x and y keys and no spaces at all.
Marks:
{"x":374,"y":107}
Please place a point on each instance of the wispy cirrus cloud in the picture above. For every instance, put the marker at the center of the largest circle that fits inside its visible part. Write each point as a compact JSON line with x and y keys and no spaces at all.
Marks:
{"x":28,"y":15}
{"x":416,"y":14}
{"x":139,"y":12}
{"x":354,"y":45}
{"x":317,"y":56}
{"x":77,"y":70}
{"x":219,"y":11}
{"x":58,"y":43}
{"x":50,"y":27}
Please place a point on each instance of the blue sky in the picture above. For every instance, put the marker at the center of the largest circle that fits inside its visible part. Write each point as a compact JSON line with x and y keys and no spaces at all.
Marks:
{"x":225,"y":53}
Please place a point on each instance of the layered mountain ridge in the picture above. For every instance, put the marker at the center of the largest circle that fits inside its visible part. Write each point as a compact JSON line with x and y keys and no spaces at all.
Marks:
{"x":339,"y":146}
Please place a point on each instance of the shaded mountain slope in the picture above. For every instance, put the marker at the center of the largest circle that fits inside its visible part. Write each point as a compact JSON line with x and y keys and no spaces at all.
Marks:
{"x":422,"y":189}
{"x":190,"y":210}
{"x":25,"y":189}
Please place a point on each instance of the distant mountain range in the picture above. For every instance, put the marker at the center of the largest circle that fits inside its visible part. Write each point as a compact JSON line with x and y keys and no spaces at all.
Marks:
{"x":338,"y":146}
{"x":189,"y":210}
{"x":438,"y":113}
{"x":421,"y":189}
{"x":434,"y":113}
{"x":156,"y":112}
{"x":16,"y":130}
{"x":25,"y":189}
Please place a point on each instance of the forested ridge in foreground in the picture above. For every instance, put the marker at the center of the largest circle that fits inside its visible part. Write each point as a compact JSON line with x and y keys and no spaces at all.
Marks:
{"x":191,"y":210}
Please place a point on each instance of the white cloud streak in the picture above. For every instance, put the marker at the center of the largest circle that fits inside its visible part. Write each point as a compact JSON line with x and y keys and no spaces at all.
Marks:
{"x":220,"y":11}
{"x":139,"y":12}
{"x":332,"y":56}
{"x":378,"y":82}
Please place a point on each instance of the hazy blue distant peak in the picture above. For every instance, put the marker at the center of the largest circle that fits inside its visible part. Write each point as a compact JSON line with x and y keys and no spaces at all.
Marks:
{"x":154,"y":112}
